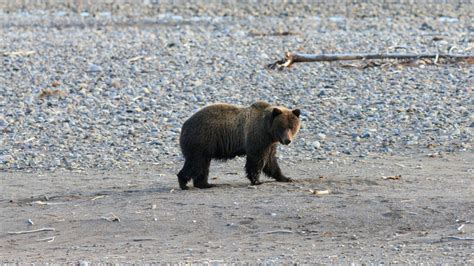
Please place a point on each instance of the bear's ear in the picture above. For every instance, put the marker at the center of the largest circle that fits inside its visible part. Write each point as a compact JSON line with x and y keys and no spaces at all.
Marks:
{"x":276,"y":112}
{"x":296,"y":112}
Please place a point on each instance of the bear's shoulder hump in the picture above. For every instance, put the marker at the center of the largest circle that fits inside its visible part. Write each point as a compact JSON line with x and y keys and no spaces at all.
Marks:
{"x":260,"y":105}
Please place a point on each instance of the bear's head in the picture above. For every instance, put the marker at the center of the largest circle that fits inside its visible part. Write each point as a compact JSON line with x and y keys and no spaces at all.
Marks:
{"x":285,"y":124}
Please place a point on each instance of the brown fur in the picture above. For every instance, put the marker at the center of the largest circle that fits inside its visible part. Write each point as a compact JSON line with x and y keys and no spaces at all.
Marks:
{"x":223,"y":131}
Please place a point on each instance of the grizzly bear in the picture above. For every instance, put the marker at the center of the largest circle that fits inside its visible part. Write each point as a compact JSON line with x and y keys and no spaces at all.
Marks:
{"x":224,"y":131}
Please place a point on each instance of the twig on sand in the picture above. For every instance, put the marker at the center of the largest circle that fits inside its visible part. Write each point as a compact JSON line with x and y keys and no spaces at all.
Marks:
{"x":278,"y":232}
{"x":320,"y":192}
{"x":291,"y":58}
{"x":39,"y":202}
{"x":395,"y":177}
{"x":458,"y":238}
{"x":98,"y":197}
{"x":143,"y":239}
{"x":48,"y":239}
{"x":32,"y":231}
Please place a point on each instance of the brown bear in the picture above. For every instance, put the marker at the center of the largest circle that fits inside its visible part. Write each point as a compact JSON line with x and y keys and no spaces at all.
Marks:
{"x":224,"y":131}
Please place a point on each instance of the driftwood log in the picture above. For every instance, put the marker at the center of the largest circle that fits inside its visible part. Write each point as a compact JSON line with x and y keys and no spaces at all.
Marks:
{"x":291,"y":58}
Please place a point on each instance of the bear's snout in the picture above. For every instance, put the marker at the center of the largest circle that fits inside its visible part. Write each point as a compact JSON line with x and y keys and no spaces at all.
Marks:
{"x":286,"y":137}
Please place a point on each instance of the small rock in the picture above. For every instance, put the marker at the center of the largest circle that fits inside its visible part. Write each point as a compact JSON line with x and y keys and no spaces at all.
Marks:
{"x":317,"y":144}
{"x":94,"y":68}
{"x":321,"y":136}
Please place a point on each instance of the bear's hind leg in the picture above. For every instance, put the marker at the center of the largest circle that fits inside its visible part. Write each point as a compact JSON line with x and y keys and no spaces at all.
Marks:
{"x":185,"y":175}
{"x":253,"y":167}
{"x":201,"y":168}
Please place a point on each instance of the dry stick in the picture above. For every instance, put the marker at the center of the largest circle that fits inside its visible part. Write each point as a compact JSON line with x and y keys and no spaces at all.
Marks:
{"x":143,"y":239}
{"x":457,"y":238}
{"x":291,"y":58}
{"x":48,"y":239}
{"x":277,"y":231}
{"x":32,"y":231}
{"x":39,"y":202}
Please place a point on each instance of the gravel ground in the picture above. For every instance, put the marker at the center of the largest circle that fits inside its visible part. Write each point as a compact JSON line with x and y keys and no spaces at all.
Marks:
{"x":107,"y":90}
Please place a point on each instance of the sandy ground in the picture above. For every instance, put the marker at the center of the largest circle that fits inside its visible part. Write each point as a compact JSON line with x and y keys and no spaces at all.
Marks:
{"x":364,"y":218}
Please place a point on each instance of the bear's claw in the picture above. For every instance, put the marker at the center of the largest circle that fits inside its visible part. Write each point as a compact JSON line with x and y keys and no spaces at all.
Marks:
{"x":285,"y":179}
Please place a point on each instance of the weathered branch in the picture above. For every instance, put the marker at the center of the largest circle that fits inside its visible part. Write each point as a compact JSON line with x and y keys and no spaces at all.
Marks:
{"x":291,"y":58}
{"x":32,"y":231}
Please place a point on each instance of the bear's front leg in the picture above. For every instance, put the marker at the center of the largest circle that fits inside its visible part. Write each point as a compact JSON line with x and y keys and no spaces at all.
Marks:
{"x":272,"y":169}
{"x":253,"y":167}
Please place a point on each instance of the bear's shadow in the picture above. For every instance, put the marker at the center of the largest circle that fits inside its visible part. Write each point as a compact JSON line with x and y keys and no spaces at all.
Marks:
{"x":241,"y":185}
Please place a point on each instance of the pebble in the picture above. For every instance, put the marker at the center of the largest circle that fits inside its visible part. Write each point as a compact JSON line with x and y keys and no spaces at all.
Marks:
{"x":321,"y":136}
{"x":94,"y":68}
{"x":317,"y":144}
